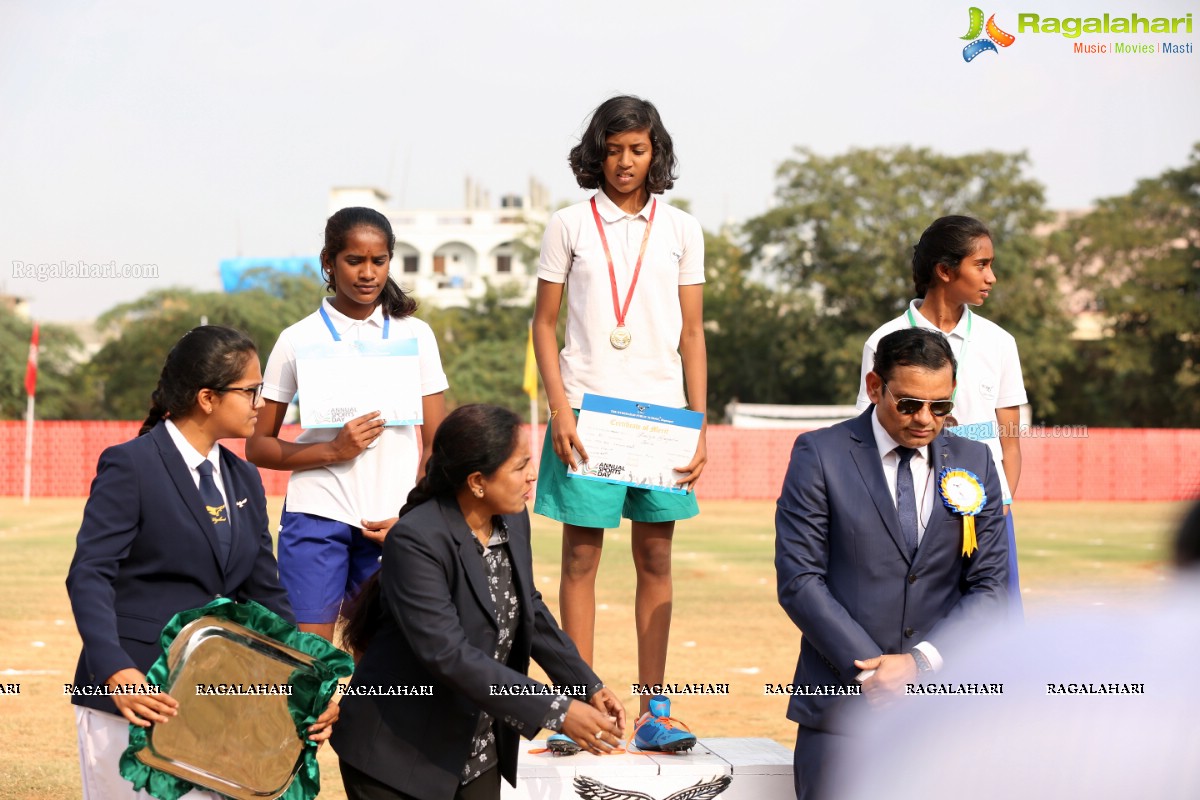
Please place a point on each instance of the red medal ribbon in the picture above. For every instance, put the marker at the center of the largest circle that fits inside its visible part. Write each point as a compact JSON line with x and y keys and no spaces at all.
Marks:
{"x":618,"y":309}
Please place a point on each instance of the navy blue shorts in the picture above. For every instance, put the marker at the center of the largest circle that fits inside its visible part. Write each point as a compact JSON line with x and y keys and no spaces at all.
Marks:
{"x":322,"y":562}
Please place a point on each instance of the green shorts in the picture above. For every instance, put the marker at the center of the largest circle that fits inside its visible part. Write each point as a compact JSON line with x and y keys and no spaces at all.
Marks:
{"x":596,"y":504}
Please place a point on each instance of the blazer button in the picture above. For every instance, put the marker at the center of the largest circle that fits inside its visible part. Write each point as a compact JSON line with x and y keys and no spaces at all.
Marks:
{"x":908,"y":633}
{"x":912,"y":578}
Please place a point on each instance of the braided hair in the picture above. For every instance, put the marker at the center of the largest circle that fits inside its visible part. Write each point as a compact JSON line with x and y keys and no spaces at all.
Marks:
{"x":396,"y":303}
{"x":210,"y":356}
{"x":947,"y":241}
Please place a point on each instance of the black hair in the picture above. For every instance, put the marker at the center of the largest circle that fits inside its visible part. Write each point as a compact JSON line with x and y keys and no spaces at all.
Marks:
{"x":913,"y":347}
{"x":472,"y":438}
{"x":618,"y":115}
{"x":947,"y":241}
{"x":207,"y":357}
{"x":396,"y":304}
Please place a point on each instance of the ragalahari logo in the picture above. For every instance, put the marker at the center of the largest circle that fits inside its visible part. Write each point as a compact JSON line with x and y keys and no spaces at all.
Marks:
{"x":995,"y":36}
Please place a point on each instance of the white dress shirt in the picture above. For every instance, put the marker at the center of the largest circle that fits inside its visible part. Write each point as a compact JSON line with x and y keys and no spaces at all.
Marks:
{"x":922,"y":486}
{"x":193,"y":458}
{"x":922,"y":474}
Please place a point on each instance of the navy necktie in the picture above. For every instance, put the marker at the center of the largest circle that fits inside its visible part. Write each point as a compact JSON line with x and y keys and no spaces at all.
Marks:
{"x":215,"y":505}
{"x":906,"y":498}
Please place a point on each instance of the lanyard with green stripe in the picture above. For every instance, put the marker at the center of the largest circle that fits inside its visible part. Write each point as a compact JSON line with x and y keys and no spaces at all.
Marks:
{"x":962,"y":354}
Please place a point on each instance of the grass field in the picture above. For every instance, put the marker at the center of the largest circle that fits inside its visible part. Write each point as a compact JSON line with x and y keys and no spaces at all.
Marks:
{"x":727,"y":626}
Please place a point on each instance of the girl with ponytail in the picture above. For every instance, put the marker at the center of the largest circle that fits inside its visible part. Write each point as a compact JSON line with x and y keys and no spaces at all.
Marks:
{"x":346,"y":482}
{"x":173,"y":520}
{"x":953,"y":270}
{"x":445,"y":631}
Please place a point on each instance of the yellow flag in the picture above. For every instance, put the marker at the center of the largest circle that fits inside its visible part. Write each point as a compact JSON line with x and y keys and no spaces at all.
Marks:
{"x":531,"y":374}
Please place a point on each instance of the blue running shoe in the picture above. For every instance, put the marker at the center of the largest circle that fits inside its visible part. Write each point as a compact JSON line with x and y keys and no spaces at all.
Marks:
{"x":562,"y":745}
{"x":656,"y":729}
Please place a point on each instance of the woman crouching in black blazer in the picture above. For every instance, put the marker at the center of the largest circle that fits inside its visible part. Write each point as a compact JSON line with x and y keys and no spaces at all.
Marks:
{"x":446,"y":629}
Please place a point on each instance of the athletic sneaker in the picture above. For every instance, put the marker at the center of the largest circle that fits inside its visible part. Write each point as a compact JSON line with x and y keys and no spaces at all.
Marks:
{"x":562,"y":745}
{"x":656,"y":729}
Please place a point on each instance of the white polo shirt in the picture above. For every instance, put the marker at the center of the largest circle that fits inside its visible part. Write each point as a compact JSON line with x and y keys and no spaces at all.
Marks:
{"x":650,"y":370}
{"x":374,"y":485}
{"x":988,"y":378}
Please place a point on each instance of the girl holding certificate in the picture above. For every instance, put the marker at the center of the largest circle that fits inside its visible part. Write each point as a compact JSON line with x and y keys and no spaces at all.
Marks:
{"x":173,"y":520}
{"x":633,"y":268}
{"x":347,"y":482}
{"x":952,"y":271}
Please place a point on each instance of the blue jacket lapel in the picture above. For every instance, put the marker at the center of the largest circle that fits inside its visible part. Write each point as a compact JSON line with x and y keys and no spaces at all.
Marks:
{"x":939,"y":457}
{"x":870,"y":468}
{"x":181,"y":476}
{"x":235,"y":501}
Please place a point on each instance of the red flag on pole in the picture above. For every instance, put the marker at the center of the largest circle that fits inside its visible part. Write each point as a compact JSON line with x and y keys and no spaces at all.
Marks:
{"x":31,"y":367}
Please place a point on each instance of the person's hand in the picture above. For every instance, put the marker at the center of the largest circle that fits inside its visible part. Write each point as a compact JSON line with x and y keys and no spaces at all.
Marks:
{"x":892,"y":674}
{"x":692,"y":471}
{"x":377,"y":530}
{"x":141,"y":709}
{"x":591,"y":728}
{"x":357,"y":435}
{"x":564,"y":438}
{"x":322,"y":729}
{"x":606,"y":700}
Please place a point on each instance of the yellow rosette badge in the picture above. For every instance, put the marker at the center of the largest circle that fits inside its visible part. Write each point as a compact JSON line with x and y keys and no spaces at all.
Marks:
{"x":963,"y":493}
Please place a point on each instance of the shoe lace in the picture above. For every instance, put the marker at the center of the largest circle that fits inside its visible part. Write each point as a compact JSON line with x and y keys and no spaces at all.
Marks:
{"x":667,"y":722}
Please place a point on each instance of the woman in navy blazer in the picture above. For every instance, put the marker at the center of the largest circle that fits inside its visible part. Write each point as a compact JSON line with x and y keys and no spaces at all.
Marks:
{"x":154,"y":541}
{"x":447,"y":627}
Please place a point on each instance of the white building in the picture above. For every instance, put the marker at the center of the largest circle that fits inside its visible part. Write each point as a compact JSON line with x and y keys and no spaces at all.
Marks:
{"x":449,"y":256}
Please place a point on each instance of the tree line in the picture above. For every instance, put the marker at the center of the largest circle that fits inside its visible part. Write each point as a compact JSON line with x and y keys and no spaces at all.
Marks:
{"x":791,"y":296}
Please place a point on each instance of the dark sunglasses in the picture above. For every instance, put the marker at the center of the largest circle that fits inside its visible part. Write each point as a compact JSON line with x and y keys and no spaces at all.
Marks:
{"x":911,"y":405}
{"x":253,"y":392}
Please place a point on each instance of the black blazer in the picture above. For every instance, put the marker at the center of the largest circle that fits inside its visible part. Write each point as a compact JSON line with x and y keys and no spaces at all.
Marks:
{"x":845,"y":577}
{"x":146,"y":550}
{"x":439,"y":629}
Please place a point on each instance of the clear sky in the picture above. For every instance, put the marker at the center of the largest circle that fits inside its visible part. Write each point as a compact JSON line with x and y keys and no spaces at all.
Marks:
{"x":180,"y":134}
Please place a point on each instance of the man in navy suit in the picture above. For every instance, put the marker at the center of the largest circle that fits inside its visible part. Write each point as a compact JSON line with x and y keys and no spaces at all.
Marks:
{"x":869,"y":561}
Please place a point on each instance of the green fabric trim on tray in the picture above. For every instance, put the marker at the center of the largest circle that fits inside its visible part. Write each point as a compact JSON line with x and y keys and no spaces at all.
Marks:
{"x":308,"y":699}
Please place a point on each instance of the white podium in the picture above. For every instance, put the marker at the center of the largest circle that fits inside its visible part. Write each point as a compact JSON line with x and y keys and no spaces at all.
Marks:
{"x":756,"y":769}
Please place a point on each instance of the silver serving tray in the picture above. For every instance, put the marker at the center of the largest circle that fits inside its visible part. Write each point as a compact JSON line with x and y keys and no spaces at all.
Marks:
{"x":243,"y":746}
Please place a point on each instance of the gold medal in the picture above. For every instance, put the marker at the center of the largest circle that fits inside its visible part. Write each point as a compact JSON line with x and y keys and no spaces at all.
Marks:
{"x":620,"y":337}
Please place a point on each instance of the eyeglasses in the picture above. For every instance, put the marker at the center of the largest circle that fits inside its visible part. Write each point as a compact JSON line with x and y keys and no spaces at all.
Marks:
{"x":911,"y":405}
{"x":253,"y":392}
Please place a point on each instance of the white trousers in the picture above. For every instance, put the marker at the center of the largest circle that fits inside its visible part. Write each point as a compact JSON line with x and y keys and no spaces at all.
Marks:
{"x":103,"y":737}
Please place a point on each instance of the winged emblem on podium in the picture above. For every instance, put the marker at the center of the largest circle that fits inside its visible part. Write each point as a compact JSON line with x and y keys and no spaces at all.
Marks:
{"x":591,"y":789}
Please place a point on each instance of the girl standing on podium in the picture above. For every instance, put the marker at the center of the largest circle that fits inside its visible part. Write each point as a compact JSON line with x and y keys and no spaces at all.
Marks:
{"x":173,"y":520}
{"x":632,"y":268}
{"x":347,"y":483}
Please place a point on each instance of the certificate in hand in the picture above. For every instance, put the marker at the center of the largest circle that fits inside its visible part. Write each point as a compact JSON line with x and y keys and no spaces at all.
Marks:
{"x":637,"y":444}
{"x":339,"y":381}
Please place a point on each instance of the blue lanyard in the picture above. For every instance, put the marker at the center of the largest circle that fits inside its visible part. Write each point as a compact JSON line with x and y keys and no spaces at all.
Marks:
{"x":962,"y":354}
{"x":329,"y":323}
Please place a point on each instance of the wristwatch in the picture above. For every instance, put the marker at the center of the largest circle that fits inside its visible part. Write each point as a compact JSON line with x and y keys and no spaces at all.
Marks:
{"x":922,"y":660}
